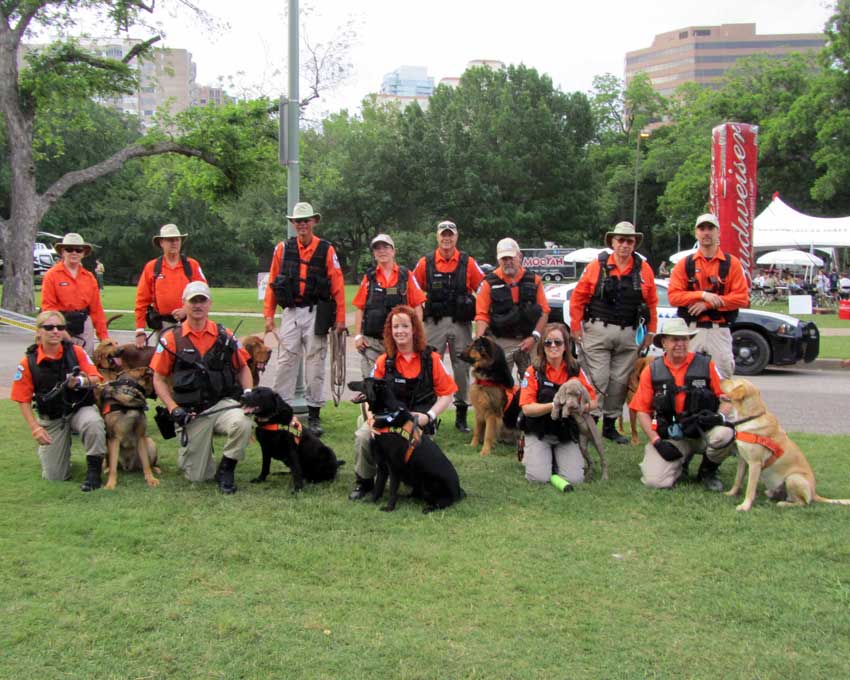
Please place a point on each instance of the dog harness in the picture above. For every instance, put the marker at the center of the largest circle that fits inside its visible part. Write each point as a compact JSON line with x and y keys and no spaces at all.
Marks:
{"x":294,"y":428}
{"x":509,"y":391}
{"x":408,"y":431}
{"x":771,"y":445}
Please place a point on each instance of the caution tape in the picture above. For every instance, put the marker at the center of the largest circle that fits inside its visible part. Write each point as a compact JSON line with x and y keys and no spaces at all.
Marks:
{"x":18,"y":320}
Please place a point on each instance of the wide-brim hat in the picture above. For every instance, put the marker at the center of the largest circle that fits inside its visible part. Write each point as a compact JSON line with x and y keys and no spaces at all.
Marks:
{"x":674,"y":327}
{"x":382,"y":238}
{"x":623,"y":229}
{"x":303,"y":211}
{"x":72,"y":240}
{"x":169,"y":231}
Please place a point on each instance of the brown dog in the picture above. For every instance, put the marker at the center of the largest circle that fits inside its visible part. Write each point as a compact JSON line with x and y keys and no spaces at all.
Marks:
{"x":115,"y":361}
{"x":571,"y":400}
{"x":259,"y":352}
{"x":634,"y":380}
{"x":122,"y":404}
{"x":770,"y":455}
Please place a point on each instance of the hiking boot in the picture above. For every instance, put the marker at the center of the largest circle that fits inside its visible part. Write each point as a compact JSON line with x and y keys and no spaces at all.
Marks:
{"x":226,"y":475}
{"x":314,"y":424}
{"x":94,"y":464}
{"x":609,"y":431}
{"x":361,"y":488}
{"x":460,"y":418}
{"x":707,"y":475}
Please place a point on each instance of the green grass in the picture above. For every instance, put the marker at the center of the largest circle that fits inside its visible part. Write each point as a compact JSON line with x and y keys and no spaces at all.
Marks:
{"x":834,"y":347}
{"x":517,"y":581}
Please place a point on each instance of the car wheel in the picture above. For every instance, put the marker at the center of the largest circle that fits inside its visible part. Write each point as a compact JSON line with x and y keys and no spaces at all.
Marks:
{"x":752,"y":353}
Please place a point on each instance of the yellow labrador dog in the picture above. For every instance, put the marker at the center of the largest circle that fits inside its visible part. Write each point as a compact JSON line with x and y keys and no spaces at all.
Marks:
{"x":769,"y":454}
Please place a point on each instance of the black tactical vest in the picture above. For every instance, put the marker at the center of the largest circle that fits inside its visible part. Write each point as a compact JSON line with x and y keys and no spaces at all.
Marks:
{"x":287,"y":284}
{"x":380,"y":301}
{"x":507,"y":318}
{"x":617,"y":300}
{"x":699,"y":395}
{"x":564,"y":429}
{"x":447,"y":294}
{"x":417,"y":394}
{"x":199,"y":382}
{"x":49,"y":374}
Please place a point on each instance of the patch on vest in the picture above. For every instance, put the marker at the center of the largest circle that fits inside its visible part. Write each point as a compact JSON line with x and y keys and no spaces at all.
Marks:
{"x":700,"y":382}
{"x":19,"y":373}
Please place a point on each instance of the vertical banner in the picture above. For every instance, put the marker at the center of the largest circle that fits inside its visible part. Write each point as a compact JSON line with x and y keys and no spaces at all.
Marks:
{"x":734,"y":163}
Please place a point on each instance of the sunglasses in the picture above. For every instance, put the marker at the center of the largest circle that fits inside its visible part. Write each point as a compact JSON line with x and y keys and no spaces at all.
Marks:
{"x":75,"y":250}
{"x":53,"y":326}
{"x":553,"y":343}
{"x":624,"y":240}
{"x":301,"y":221}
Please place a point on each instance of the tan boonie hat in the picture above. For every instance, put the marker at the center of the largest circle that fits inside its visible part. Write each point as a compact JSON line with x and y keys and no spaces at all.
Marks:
{"x":195,"y":289}
{"x":303,"y":211}
{"x":707,"y":218}
{"x":446,"y":225}
{"x":73,"y":240}
{"x":382,"y":238}
{"x":169,"y":231}
{"x":674,"y":327}
{"x":623,"y":229}
{"x":507,"y":247}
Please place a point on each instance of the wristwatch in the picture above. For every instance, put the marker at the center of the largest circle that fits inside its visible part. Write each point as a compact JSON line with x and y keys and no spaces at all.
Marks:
{"x":535,"y":334}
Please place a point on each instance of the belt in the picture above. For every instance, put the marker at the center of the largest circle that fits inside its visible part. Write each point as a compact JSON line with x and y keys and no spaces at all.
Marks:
{"x":708,"y":324}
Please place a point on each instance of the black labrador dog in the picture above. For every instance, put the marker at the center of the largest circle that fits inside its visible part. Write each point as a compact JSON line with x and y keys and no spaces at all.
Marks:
{"x":404,"y":454}
{"x":309,"y":459}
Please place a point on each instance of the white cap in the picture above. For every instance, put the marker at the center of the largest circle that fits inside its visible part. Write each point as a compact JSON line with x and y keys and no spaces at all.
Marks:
{"x":707,"y":218}
{"x":195,"y":289}
{"x":382,"y":238}
{"x":507,"y":247}
{"x":446,"y":225}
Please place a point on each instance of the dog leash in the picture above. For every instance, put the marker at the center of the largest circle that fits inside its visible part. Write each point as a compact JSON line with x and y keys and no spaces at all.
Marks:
{"x":184,"y":434}
{"x":338,"y":368}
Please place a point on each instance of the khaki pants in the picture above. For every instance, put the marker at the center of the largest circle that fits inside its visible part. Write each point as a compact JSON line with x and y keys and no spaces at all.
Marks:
{"x":364,"y":463}
{"x":515,"y":356}
{"x":87,"y":340}
{"x":608,"y":354}
{"x":196,"y":458}
{"x":374,"y":348}
{"x":717,"y":343}
{"x":56,"y":457}
{"x":443,"y":334}
{"x":658,"y":473}
{"x":297,"y":339}
{"x":539,"y":455}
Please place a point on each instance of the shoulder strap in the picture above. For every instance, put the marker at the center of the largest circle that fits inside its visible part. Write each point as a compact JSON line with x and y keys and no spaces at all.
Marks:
{"x":429,"y":269}
{"x":157,"y":269}
{"x":460,"y":273}
{"x":403,"y":273}
{"x":187,"y":268}
{"x":659,"y":372}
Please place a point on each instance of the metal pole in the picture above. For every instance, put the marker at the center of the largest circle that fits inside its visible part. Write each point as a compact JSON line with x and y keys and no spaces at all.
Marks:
{"x":637,"y":161}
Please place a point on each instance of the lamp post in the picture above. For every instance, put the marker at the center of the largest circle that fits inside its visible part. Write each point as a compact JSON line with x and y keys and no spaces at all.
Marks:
{"x":641,"y":135}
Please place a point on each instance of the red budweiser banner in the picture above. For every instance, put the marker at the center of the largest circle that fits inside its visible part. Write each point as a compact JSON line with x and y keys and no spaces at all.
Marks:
{"x":734,"y":162}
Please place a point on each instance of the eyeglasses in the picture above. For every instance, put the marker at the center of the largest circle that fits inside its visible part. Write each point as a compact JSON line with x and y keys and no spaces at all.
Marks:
{"x":553,"y":343}
{"x":53,"y":326}
{"x":75,"y":250}
{"x":301,"y":221}
{"x":624,"y":240}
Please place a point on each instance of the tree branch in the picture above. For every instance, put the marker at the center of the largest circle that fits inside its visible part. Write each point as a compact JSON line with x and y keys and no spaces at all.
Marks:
{"x":140,"y":48}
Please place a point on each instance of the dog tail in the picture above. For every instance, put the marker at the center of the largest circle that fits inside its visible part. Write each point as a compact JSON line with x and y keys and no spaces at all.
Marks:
{"x":112,"y":318}
{"x":832,"y":501}
{"x":340,"y":463}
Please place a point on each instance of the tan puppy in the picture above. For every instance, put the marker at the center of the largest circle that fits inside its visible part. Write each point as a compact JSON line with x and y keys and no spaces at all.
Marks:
{"x":572,"y":399}
{"x":634,"y":380}
{"x":786,"y":473}
{"x":259,"y":355}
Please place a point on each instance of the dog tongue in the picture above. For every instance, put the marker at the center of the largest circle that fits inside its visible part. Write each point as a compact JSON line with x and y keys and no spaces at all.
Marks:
{"x":117,"y":361}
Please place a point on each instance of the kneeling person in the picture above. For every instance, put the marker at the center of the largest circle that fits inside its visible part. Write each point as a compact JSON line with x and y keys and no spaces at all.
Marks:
{"x":681,"y":390}
{"x":209,"y":372}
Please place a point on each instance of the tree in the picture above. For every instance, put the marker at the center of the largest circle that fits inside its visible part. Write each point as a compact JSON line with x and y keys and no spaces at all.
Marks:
{"x":55,"y":78}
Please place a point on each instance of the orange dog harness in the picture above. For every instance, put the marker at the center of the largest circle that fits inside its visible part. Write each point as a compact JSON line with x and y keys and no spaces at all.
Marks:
{"x":294,"y":428}
{"x":409,"y":432}
{"x":775,"y":449}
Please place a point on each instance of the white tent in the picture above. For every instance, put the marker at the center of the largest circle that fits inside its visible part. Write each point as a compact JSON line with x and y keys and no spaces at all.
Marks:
{"x":790,"y":258}
{"x":682,"y":254}
{"x":583,"y":255}
{"x":780,"y":226}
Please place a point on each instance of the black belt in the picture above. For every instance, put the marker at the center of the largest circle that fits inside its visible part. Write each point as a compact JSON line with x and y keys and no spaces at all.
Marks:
{"x":710,"y":324}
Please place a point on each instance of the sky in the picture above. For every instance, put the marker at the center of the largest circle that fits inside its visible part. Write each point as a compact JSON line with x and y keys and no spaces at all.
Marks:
{"x":570,"y":41}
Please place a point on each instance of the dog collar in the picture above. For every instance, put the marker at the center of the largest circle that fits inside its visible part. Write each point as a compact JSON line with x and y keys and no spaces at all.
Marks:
{"x":294,"y":428}
{"x":771,"y":445}
{"x":408,"y":431}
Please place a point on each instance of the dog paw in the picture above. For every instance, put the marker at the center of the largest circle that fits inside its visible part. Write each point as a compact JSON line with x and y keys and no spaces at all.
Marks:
{"x":485,"y":452}
{"x":258,"y":480}
{"x":152,"y":481}
{"x":743,"y":507}
{"x":110,"y":484}
{"x":732,"y":492}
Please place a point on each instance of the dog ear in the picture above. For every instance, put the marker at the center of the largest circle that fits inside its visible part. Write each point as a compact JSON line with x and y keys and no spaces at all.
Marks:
{"x":357,"y":386}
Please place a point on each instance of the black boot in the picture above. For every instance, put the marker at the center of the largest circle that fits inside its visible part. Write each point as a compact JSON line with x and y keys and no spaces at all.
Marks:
{"x":226,"y":475}
{"x":460,"y":418}
{"x":707,"y":474}
{"x":94,"y":464}
{"x":609,"y":430}
{"x":314,"y":424}
{"x":361,"y":488}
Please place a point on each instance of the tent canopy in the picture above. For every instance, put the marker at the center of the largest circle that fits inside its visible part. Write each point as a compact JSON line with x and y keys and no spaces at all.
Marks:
{"x":780,"y":226}
{"x":583,"y":255}
{"x":682,"y":254}
{"x":790,"y":258}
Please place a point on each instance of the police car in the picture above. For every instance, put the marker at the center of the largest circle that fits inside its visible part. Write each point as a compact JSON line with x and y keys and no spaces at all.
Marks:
{"x":759,"y":338}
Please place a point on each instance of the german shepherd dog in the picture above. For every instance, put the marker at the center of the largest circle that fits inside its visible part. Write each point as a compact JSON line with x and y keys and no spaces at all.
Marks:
{"x":282,"y":438}
{"x":123,"y":404}
{"x":493,"y":394}
{"x":404,"y":454}
{"x":115,"y":361}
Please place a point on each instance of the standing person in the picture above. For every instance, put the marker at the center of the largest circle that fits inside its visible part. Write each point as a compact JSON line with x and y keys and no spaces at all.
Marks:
{"x":306,"y":281}
{"x":160,"y":288}
{"x":209,"y":372}
{"x":681,"y":391}
{"x":418,"y":379}
{"x":58,"y":377}
{"x":709,"y":287}
{"x":450,"y":278}
{"x":663,"y":270}
{"x":551,"y":446}
{"x":613,"y":316}
{"x":511,"y":304}
{"x":844,"y":286}
{"x":99,"y":271}
{"x":71,"y":289}
{"x":383,"y":287}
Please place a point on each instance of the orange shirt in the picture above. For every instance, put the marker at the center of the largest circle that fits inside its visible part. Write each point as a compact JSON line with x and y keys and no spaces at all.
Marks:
{"x":586,"y":287}
{"x":202,"y":340}
{"x":528,"y":387}
{"x":482,"y":301}
{"x":415,"y":296}
{"x":474,"y":275}
{"x":61,"y":292}
{"x":642,"y":401}
{"x":169,"y":288}
{"x":411,"y":367}
{"x":23,"y":387}
{"x":305,"y":253}
{"x":736,"y":294}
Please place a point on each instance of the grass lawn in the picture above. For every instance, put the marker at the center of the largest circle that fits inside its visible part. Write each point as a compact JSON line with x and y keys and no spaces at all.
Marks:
{"x":611,"y":581}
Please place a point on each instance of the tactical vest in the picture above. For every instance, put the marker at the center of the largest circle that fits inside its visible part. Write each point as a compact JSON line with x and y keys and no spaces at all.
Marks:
{"x":509,"y":319}
{"x":718,"y":286}
{"x":287,"y":284}
{"x":417,"y":394}
{"x":447,"y":294}
{"x":565,"y":429}
{"x":199,"y":382}
{"x":380,"y":301}
{"x":52,"y":373}
{"x":699,"y":395}
{"x":617,"y":300}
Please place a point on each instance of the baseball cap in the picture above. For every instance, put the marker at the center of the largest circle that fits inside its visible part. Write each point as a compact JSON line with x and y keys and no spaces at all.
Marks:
{"x":507,"y":247}
{"x":446,"y":225}
{"x":195,"y":289}
{"x":707,"y":218}
{"x":382,"y":238}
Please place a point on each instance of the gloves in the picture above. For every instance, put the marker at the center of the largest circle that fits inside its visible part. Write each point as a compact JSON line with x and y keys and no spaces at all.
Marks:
{"x":708,"y":419}
{"x":181,"y":416}
{"x":667,"y":450}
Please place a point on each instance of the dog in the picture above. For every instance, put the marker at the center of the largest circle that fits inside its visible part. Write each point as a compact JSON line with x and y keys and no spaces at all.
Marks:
{"x":571,"y":401}
{"x":123,"y":404}
{"x":404,"y":454}
{"x":493,"y":394}
{"x":115,"y":361}
{"x":259,"y":355}
{"x":634,"y":380}
{"x":773,"y":457}
{"x":282,"y":438}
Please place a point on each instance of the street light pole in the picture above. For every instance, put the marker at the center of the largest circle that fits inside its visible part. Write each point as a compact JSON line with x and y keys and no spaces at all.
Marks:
{"x":641,"y":135}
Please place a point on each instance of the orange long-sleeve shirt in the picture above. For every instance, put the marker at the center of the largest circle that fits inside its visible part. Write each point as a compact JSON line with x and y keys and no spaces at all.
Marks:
{"x":474,"y":275}
{"x":23,"y":386}
{"x":202,"y":340}
{"x":61,"y":292}
{"x":482,"y":300}
{"x":642,"y":401}
{"x":169,"y":287}
{"x":736,"y":294}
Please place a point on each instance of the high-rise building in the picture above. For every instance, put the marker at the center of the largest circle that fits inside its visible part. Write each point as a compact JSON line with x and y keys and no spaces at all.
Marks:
{"x":702,"y":54}
{"x":408,"y":81}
